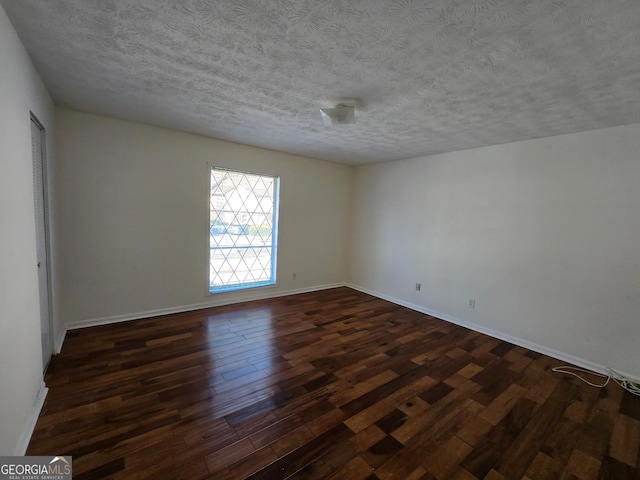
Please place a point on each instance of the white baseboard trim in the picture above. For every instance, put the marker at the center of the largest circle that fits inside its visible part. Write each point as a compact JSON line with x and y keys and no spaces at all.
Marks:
{"x":30,"y":423}
{"x":264,"y":294}
{"x":564,"y":357}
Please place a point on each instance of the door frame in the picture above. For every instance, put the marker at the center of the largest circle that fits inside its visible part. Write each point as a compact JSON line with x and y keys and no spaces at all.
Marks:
{"x":46,"y":240}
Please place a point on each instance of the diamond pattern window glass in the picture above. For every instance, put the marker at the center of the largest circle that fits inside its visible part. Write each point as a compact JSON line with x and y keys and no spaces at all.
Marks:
{"x":243,"y":216}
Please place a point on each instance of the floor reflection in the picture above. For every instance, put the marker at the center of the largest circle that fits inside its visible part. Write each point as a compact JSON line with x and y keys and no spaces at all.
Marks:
{"x":243,"y":350}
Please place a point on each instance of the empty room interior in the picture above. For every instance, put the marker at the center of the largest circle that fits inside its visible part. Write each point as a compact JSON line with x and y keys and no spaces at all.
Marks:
{"x":321,"y":239}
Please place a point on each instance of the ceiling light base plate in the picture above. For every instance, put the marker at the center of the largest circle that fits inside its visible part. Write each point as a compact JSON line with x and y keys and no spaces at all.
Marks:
{"x":339,"y":115}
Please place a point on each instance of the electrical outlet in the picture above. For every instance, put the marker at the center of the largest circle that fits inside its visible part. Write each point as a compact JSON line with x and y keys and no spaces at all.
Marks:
{"x":418,"y":287}
{"x":294,"y":275}
{"x":472,"y":303}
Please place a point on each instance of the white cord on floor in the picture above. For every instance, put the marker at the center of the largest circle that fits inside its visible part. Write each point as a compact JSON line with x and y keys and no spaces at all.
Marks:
{"x":624,"y":382}
{"x":570,"y":371}
{"x":620,"y":379}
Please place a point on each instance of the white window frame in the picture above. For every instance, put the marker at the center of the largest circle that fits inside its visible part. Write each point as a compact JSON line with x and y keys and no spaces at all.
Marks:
{"x":273,"y":246}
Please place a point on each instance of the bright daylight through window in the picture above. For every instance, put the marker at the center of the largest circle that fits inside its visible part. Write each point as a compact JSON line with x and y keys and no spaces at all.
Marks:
{"x":243,"y":216}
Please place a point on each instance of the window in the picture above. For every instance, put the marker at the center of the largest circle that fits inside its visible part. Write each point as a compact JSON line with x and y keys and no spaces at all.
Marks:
{"x":243,"y":217}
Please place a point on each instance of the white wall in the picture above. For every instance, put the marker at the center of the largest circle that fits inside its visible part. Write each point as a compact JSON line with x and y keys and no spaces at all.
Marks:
{"x":21,"y":91}
{"x":543,"y":234}
{"x":133,"y":203}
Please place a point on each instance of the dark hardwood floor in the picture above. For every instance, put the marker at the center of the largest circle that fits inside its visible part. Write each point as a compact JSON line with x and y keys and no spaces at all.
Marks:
{"x":334,"y":384}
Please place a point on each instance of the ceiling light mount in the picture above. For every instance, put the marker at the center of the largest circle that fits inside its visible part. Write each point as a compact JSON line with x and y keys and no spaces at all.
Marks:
{"x":343,"y":113}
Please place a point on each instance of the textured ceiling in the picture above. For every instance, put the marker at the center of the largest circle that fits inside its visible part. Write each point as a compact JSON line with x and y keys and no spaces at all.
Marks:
{"x":431,"y":76}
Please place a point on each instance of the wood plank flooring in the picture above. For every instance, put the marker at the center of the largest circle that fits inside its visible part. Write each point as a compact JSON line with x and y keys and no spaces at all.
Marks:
{"x":333,"y":384}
